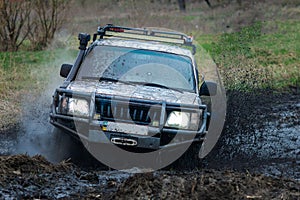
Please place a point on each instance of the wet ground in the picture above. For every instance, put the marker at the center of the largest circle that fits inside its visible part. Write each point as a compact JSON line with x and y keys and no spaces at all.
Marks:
{"x":261,"y":134}
{"x":257,"y":157}
{"x":34,"y":177}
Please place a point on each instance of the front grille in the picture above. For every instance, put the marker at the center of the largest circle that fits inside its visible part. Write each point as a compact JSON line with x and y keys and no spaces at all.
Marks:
{"x":129,"y":111}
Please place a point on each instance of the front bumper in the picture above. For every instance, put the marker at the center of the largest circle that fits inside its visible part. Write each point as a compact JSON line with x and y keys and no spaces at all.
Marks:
{"x":133,"y":135}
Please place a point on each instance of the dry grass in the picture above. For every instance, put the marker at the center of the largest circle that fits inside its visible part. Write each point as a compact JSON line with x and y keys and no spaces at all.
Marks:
{"x":198,"y":17}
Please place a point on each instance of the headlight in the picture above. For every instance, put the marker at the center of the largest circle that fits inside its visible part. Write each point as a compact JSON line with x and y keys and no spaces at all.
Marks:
{"x":183,"y":120}
{"x":74,"y":106}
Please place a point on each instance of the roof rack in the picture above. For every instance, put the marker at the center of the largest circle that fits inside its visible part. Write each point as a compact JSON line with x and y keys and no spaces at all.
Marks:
{"x":110,"y":30}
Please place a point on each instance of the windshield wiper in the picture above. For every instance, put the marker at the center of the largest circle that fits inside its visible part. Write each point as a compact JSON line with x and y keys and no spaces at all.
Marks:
{"x":114,"y":80}
{"x":109,"y":79}
{"x":101,"y":78}
{"x":106,"y":79}
{"x":155,"y":85}
{"x":89,"y":77}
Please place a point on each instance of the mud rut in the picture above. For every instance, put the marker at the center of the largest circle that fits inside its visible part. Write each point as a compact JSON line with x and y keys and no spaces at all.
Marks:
{"x":260,"y":145}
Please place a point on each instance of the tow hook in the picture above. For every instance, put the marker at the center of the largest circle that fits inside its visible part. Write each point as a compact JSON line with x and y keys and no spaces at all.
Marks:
{"x":124,"y":141}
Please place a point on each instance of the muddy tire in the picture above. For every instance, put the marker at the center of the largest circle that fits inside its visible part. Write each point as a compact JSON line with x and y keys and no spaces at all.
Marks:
{"x":189,"y":160}
{"x":72,"y":149}
{"x":66,"y":146}
{"x":61,"y":139}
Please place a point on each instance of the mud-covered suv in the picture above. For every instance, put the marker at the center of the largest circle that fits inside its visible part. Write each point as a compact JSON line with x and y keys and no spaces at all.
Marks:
{"x":133,"y":87}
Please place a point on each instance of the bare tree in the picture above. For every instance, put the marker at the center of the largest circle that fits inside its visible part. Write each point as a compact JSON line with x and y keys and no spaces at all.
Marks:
{"x":48,"y":17}
{"x":182,"y":6}
{"x":36,"y":20}
{"x":14,"y":16}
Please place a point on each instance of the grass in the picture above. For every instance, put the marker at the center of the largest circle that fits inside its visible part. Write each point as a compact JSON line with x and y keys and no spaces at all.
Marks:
{"x":25,"y":75}
{"x":264,"y":55}
{"x":27,"y":70}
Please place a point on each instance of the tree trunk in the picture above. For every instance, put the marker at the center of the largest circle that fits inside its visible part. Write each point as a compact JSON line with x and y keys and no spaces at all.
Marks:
{"x":182,"y":6}
{"x":208,"y":3}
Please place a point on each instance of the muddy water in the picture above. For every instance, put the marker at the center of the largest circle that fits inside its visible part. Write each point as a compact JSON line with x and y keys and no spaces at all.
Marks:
{"x":261,"y":136}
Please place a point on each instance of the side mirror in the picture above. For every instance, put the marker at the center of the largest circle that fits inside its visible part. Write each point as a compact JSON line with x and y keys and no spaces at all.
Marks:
{"x":65,"y":70}
{"x":208,"y":88}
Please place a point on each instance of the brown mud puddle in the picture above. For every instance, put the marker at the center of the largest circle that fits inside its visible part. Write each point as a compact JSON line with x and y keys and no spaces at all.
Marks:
{"x":256,"y":157}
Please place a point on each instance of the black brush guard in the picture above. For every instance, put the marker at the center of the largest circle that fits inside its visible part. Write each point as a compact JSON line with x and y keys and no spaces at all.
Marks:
{"x":136,"y":112}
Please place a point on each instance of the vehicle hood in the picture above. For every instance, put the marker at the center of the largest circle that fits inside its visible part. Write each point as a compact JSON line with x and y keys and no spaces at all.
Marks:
{"x":134,"y":91}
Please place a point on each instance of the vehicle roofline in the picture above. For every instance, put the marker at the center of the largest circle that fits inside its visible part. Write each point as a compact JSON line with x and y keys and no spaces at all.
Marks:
{"x":175,"y":49}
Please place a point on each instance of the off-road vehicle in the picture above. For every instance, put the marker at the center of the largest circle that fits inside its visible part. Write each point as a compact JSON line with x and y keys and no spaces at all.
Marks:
{"x":133,"y":87}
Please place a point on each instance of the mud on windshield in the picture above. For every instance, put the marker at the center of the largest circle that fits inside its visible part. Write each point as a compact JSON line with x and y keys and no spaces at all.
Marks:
{"x":139,"y":66}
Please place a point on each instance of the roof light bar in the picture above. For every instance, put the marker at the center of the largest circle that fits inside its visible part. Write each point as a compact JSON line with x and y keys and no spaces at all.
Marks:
{"x":110,"y":30}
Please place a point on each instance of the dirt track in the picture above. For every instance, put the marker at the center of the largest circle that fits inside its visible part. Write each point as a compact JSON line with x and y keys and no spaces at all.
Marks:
{"x":34,"y":177}
{"x":256,"y":157}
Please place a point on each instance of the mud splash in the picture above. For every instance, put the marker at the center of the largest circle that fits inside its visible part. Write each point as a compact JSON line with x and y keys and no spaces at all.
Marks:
{"x":261,"y":134}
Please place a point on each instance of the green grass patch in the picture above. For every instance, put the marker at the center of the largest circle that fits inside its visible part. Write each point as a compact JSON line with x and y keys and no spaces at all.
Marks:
{"x":29,"y":70}
{"x":189,"y":18}
{"x":264,"y":55}
{"x":206,"y":41}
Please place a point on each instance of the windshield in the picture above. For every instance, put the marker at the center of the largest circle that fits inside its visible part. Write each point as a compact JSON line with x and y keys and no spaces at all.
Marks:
{"x":138,"y":66}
